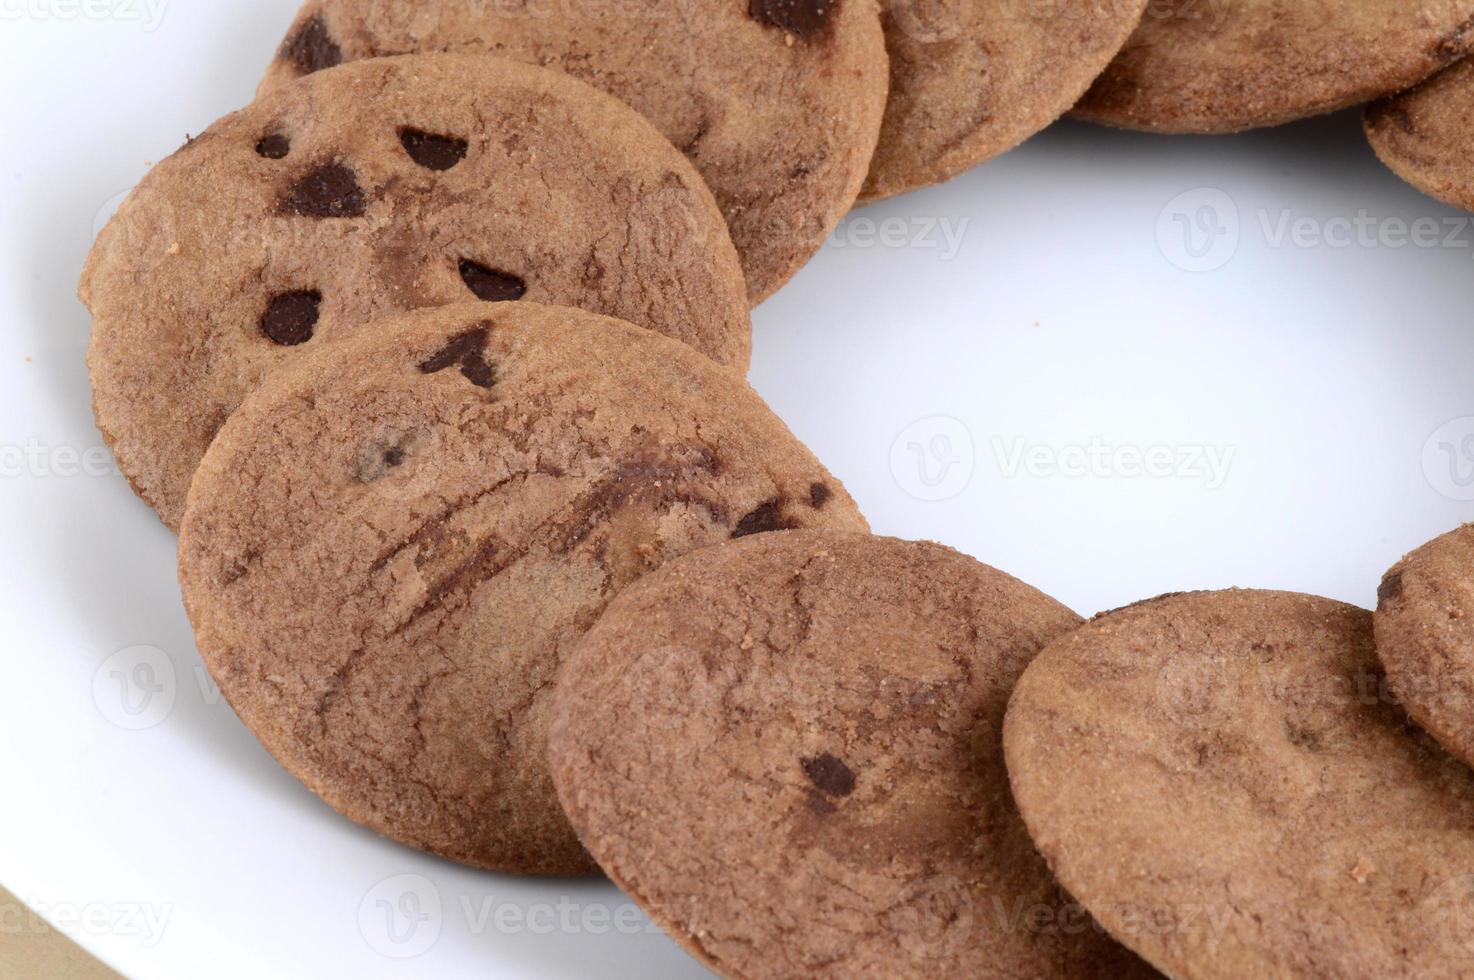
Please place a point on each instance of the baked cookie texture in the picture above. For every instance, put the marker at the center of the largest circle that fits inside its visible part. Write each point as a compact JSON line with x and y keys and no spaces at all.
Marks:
{"x":375,"y":188}
{"x":1426,"y":135}
{"x":777,"y":103}
{"x":1425,"y":637}
{"x":973,"y":78}
{"x":787,"y":749}
{"x":393,"y":544}
{"x":1199,"y":66}
{"x":1225,"y":782}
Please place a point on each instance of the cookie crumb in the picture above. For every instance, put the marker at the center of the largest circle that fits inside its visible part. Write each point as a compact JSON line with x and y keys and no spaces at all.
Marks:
{"x":175,"y":249}
{"x":1363,"y":871}
{"x":747,"y":642}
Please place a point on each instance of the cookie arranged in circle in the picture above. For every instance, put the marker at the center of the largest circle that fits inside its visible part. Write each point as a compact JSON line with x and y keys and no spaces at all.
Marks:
{"x":1425,"y":637}
{"x":1224,"y":780}
{"x":778,"y":103}
{"x":376,"y":188}
{"x":973,"y":78}
{"x":1199,"y":66}
{"x":1426,"y":135}
{"x":393,"y":544}
{"x":788,"y":750}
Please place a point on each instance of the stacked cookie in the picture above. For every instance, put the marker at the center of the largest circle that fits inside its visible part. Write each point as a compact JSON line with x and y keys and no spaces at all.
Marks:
{"x":433,"y":355}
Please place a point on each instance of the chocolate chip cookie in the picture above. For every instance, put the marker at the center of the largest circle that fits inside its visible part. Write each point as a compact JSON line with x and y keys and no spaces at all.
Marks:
{"x":392,"y":545}
{"x":1426,"y":137}
{"x":1219,"y":66}
{"x":787,"y":749}
{"x":777,"y":102}
{"x":973,"y":78}
{"x":375,"y":188}
{"x":1425,"y":637}
{"x":1226,"y":783}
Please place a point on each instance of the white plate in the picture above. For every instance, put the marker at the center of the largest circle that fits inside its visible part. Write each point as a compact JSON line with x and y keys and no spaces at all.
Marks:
{"x":1148,"y":364}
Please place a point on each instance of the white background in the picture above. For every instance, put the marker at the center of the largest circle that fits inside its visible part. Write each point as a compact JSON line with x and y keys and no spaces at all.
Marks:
{"x":1332,"y":377}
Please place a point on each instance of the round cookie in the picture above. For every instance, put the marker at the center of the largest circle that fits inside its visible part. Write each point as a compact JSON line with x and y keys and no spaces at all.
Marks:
{"x":1205,"y":66}
{"x":973,"y":78}
{"x":1224,"y":781}
{"x":777,"y":102}
{"x":392,"y":544}
{"x":1426,"y":135}
{"x":787,"y":749}
{"x":1425,"y":637}
{"x":372,"y":189}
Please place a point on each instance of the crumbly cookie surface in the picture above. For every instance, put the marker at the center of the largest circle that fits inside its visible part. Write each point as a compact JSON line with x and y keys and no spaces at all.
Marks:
{"x":973,"y":78}
{"x":1425,"y":637}
{"x":1224,"y":780}
{"x":1426,"y":135}
{"x":392,"y":545}
{"x":1214,"y":66}
{"x":788,"y":749}
{"x":375,"y":188}
{"x":778,"y":103}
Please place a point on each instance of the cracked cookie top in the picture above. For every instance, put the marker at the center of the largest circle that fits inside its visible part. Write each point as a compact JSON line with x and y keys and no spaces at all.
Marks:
{"x":777,"y":102}
{"x":1226,"y":781}
{"x":789,"y":750}
{"x":1220,"y":66}
{"x":375,"y":188}
{"x":392,"y":545}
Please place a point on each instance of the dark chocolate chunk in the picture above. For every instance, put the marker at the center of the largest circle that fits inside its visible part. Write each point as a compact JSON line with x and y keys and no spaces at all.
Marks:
{"x":829,"y":775}
{"x":491,"y":285}
{"x":291,"y":317}
{"x":768,"y":517}
{"x":274,"y":147}
{"x":431,"y":151}
{"x":312,"y":48}
{"x":469,"y":352}
{"x":801,"y":18}
{"x":330,"y":191}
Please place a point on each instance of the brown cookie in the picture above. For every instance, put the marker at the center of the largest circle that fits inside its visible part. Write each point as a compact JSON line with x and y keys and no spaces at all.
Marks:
{"x":1426,"y":135}
{"x":372,"y":189}
{"x":1225,"y":782}
{"x":777,"y":102}
{"x":973,"y":78}
{"x":1220,"y":66}
{"x":788,"y":751}
{"x":392,"y":545}
{"x":1425,"y":637}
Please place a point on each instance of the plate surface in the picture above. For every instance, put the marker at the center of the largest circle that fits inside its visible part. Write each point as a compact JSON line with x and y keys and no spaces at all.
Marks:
{"x":1114,"y":365}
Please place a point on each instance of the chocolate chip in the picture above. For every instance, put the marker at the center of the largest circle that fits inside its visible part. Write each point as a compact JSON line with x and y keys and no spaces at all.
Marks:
{"x":829,"y":775}
{"x":491,"y":285}
{"x":290,"y":317}
{"x":330,"y":191}
{"x":468,"y":350}
{"x":431,"y":151}
{"x":820,"y":806}
{"x":1390,"y":589}
{"x":801,"y":18}
{"x":393,"y":457}
{"x":768,"y":517}
{"x":274,"y":147}
{"x":312,"y":48}
{"x":819,"y":495}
